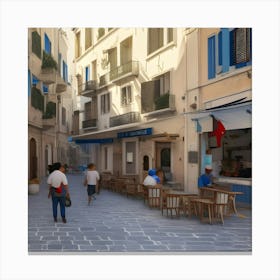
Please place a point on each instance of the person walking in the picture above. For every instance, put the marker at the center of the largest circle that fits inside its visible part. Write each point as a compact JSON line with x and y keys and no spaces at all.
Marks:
{"x":58,"y":189}
{"x":91,"y":181}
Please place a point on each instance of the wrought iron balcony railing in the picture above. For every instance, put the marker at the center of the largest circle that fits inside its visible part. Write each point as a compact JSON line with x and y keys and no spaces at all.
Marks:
{"x":88,"y":88}
{"x":127,"y":118}
{"x":130,"y":68}
{"x":90,"y":123}
{"x":160,"y":104}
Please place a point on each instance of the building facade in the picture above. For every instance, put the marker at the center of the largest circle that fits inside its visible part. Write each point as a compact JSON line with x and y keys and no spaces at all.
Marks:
{"x":49,"y":99}
{"x":131,"y":83}
{"x":219,"y":106}
{"x":174,"y":99}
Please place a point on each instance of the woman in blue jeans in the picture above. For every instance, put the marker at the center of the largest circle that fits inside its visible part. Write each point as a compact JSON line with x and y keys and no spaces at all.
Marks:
{"x":58,"y":189}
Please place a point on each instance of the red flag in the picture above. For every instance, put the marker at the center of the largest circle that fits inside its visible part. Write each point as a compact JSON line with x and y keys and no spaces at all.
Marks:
{"x":218,"y":132}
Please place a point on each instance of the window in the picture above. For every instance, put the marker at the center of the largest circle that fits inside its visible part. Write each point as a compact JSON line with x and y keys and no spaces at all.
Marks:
{"x":146,"y":163}
{"x":59,"y":64}
{"x":240,"y":46}
{"x":105,"y":103}
{"x":229,"y":48}
{"x":87,"y":74}
{"x":65,"y":72}
{"x":36,"y":43}
{"x":35,"y":80}
{"x":126,"y":97}
{"x":63,"y":119}
{"x":101,"y":32}
{"x":48,"y":44}
{"x":163,"y":84}
{"x":211,"y":58}
{"x":158,"y":37}
{"x":88,"y":110}
{"x":45,"y":89}
{"x":88,"y":38}
{"x":155,"y":39}
{"x":78,"y":45}
{"x":169,"y":35}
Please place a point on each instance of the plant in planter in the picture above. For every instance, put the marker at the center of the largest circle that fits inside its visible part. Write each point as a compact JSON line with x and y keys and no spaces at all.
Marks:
{"x":48,"y":61}
{"x":33,"y":186}
{"x":162,"y":102}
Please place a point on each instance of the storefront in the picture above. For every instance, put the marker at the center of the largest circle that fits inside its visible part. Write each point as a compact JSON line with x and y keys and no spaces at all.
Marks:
{"x":225,"y":138}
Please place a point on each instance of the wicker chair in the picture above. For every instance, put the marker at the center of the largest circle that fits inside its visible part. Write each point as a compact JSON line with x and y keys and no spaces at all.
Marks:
{"x":154,"y":196}
{"x":171,"y":203}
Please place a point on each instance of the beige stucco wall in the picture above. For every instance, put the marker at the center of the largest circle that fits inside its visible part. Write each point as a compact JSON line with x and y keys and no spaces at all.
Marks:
{"x":225,"y":84}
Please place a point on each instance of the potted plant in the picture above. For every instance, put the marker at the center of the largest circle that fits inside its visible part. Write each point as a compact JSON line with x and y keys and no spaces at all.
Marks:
{"x":33,"y":186}
{"x":48,"y":61}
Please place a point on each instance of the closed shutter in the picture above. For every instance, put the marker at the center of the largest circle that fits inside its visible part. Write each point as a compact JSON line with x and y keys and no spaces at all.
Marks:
{"x":211,"y":58}
{"x":47,"y":44}
{"x":220,"y":48}
{"x":232,"y":47}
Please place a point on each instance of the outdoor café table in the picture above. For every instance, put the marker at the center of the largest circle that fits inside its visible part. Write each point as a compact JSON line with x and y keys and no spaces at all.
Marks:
{"x":185,"y":198}
{"x":220,"y":190}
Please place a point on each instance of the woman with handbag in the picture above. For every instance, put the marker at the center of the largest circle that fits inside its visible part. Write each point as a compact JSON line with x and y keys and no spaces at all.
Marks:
{"x":58,"y":190}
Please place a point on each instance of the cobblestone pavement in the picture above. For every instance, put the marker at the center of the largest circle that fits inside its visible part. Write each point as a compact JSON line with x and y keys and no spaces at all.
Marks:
{"x":117,"y":224}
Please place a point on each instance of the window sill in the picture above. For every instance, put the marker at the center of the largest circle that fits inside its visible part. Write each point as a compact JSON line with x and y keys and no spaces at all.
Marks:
{"x":162,"y":49}
{"x":232,"y":72}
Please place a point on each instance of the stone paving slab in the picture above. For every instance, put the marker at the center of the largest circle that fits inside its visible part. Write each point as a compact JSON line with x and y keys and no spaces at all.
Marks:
{"x":117,"y":224}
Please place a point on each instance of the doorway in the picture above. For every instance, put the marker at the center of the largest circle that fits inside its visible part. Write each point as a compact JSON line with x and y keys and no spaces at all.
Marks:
{"x":163,"y":156}
{"x":33,"y":158}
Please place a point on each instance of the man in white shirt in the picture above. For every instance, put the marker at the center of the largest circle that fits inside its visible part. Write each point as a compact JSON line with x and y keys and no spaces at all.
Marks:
{"x":58,"y":189}
{"x":91,"y":181}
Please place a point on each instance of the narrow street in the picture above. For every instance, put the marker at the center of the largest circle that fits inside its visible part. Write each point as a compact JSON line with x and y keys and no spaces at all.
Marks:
{"x":117,"y":224}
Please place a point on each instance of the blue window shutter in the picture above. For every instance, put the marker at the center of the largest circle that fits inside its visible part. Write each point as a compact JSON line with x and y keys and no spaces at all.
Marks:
{"x":211,"y":58}
{"x":29,"y":83}
{"x":45,"y":89}
{"x":47,"y":44}
{"x":232,"y":50}
{"x":35,"y":80}
{"x":225,"y":49}
{"x":220,"y":48}
{"x":87,"y":73}
{"x":64,"y":71}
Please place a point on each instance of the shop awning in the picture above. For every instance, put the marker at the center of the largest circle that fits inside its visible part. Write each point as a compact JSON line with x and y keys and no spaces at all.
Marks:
{"x":233,"y":117}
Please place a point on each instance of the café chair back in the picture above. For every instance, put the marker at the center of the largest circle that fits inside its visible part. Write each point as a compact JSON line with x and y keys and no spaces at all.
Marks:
{"x":171,"y":205}
{"x":154,"y":196}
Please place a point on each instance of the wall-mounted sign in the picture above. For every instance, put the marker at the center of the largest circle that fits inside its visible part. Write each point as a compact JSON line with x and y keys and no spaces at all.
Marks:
{"x":135,"y":133}
{"x":94,"y":141}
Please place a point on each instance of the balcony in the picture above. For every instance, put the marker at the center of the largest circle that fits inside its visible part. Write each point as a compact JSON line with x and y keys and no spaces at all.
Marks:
{"x":48,"y":76}
{"x":90,"y":124}
{"x":164,"y":103}
{"x":104,"y":80}
{"x":61,"y":85}
{"x":127,"y":118}
{"x":129,"y":69}
{"x":49,"y":122}
{"x":89,"y":88}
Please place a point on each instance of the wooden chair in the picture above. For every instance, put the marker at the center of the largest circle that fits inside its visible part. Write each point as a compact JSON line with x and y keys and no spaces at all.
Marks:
{"x":187,"y":206}
{"x":171,"y":203}
{"x":221,"y":204}
{"x":164,"y":192}
{"x":144,"y":190}
{"x":201,"y":205}
{"x":154,"y":196}
{"x":131,"y":189}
